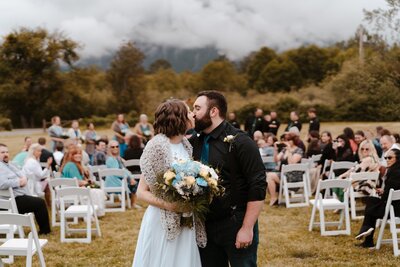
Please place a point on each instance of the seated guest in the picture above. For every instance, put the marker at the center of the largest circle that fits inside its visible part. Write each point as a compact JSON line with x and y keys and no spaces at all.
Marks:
{"x":33,"y":168}
{"x":375,"y":207}
{"x":134,"y":151}
{"x":258,"y":135}
{"x":19,"y":159}
{"x":144,"y":129}
{"x":114,"y":161}
{"x":72,"y":168}
{"x":349,"y":133}
{"x":99,"y":155}
{"x":369,"y":162}
{"x":267,"y":150}
{"x":326,"y":138}
{"x":12,"y":177}
{"x":290,"y":154}
{"x":58,"y":154}
{"x":299,"y":142}
{"x":313,"y":144}
{"x":46,"y":154}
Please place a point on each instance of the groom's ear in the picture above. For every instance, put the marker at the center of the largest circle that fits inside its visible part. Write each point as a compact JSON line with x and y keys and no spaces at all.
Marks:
{"x":214,"y":112}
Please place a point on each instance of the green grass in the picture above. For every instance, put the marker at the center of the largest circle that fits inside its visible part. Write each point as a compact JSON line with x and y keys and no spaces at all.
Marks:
{"x":284,"y":236}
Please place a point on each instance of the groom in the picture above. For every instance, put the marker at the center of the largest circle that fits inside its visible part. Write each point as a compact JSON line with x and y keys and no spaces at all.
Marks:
{"x":232,"y":229}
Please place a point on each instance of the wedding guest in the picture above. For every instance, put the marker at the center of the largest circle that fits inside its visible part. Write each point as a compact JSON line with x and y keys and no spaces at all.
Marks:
{"x":313,"y":144}
{"x":273,"y":127}
{"x":348,"y":132}
{"x":55,"y":132}
{"x":144,"y":129}
{"x":291,"y":154}
{"x":72,"y":168}
{"x":100,"y":154}
{"x":120,"y":128}
{"x":33,"y":169}
{"x":46,"y":154}
{"x":58,"y":154}
{"x":314,"y":120}
{"x":294,"y":122}
{"x":114,"y":161}
{"x":74,"y":133}
{"x":232,"y":120}
{"x":134,"y":151}
{"x":19,"y":159}
{"x":369,"y":162}
{"x":90,"y":140}
{"x":375,"y":207}
{"x":12,"y":177}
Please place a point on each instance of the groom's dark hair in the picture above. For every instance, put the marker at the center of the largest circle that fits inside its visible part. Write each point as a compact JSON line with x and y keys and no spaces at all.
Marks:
{"x":217,"y":100}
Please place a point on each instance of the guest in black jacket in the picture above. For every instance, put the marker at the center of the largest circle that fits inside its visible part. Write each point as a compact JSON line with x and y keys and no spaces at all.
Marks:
{"x":134,"y":151}
{"x":375,"y":208}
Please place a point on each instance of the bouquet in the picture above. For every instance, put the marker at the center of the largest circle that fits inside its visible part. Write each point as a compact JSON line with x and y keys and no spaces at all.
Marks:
{"x":192,"y":185}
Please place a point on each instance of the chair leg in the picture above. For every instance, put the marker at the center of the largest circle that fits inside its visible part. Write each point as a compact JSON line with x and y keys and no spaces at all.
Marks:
{"x":322,"y":220}
{"x":341,"y":219}
{"x":381,"y":230}
{"x":347,"y":218}
{"x":310,"y":226}
{"x":393,"y":231}
{"x":89,"y":227}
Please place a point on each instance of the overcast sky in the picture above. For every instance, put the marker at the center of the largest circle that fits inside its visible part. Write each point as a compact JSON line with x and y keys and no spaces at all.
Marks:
{"x":234,"y":27}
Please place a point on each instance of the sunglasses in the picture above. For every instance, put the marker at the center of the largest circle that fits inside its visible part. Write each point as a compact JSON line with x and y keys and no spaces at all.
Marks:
{"x":388,"y":158}
{"x":366,"y":149}
{"x":114,"y":146}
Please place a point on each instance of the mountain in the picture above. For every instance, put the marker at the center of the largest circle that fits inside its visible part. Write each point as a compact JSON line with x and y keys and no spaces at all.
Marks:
{"x":180,"y":59}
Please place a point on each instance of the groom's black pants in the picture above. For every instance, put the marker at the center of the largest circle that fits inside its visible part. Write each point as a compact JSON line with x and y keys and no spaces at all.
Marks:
{"x":221,"y":237}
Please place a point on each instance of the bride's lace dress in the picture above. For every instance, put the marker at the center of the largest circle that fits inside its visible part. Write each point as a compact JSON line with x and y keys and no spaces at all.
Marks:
{"x":154,"y":248}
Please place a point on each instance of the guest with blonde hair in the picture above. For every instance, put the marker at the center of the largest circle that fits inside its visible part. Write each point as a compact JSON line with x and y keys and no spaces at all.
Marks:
{"x":33,"y":170}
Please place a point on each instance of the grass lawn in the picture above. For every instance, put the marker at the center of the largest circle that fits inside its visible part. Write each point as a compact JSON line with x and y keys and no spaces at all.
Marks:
{"x":284,"y":236}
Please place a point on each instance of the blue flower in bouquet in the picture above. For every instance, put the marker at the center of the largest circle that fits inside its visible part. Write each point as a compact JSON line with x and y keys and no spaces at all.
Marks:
{"x":201,"y":182}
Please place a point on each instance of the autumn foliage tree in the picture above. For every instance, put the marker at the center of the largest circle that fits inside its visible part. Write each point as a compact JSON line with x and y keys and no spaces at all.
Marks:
{"x":30,"y":71}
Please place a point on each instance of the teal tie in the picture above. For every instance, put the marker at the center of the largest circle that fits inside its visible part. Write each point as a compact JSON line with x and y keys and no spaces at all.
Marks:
{"x":205,"y":150}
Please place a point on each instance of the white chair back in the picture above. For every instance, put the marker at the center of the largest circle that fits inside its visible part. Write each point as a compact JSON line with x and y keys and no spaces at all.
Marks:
{"x":340,"y":165}
{"x":294,"y":200}
{"x":391,"y":219}
{"x":110,"y":191}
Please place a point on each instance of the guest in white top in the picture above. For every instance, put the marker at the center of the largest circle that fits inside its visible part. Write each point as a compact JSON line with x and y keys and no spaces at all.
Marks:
{"x":37,"y":178}
{"x":58,"y":154}
{"x":74,"y":132}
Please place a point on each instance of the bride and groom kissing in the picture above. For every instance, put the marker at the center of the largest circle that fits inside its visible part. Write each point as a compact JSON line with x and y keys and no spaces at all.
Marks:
{"x":229,"y":234}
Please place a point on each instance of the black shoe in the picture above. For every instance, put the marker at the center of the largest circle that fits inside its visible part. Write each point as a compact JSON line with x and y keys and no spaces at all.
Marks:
{"x":365,"y":232}
{"x":366,"y":244}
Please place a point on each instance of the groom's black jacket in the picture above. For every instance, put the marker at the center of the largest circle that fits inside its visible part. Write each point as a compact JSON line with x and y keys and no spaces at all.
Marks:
{"x":240,"y":167}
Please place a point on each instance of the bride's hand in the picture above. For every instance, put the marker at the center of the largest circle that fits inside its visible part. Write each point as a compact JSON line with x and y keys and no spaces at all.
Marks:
{"x":176,"y":207}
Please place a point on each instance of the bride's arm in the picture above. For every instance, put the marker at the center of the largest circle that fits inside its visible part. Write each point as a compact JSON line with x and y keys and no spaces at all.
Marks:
{"x":143,"y":194}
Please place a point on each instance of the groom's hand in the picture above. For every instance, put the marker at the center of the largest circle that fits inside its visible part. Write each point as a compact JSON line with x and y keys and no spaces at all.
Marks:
{"x":244,"y":237}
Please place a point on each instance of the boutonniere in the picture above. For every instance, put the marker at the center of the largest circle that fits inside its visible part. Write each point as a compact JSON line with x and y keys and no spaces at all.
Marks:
{"x":230,"y":139}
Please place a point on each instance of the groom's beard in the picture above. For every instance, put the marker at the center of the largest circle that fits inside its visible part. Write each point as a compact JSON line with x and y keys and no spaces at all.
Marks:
{"x":203,"y":123}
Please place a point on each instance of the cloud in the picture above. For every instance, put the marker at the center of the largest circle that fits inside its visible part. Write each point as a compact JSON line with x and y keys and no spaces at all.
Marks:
{"x":234,"y":27}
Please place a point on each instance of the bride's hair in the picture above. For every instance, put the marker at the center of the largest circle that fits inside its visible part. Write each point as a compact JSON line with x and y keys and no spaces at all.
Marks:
{"x":171,"y":118}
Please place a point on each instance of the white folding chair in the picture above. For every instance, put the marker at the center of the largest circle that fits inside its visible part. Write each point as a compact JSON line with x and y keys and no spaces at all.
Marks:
{"x":268,"y":159}
{"x":93,"y":170}
{"x":8,"y":194}
{"x":23,"y":246}
{"x":87,"y":211}
{"x":340,"y":165}
{"x":316,"y":158}
{"x":55,"y":184}
{"x":7,"y":230}
{"x":133,"y":163}
{"x":300,"y":200}
{"x":322,"y":203}
{"x":391,"y":219}
{"x":111,"y":191}
{"x":359,"y":177}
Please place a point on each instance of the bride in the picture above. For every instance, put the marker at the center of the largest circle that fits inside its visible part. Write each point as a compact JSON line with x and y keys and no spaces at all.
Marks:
{"x":162,"y":241}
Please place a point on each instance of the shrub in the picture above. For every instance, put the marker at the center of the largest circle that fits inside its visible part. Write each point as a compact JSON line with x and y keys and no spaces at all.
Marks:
{"x":5,"y":124}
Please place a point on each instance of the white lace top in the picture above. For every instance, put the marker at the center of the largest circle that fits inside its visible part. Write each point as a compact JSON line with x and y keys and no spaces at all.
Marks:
{"x":156,"y":159}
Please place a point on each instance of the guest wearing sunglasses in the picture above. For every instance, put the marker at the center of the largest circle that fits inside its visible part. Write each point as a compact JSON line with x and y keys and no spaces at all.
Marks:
{"x":369,"y":162}
{"x":114,"y":161}
{"x":375,"y":208}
